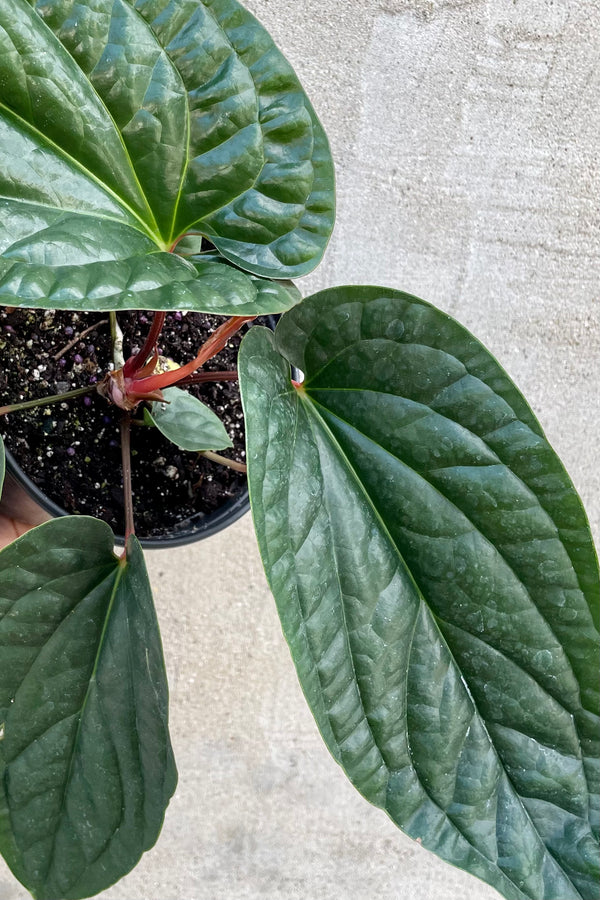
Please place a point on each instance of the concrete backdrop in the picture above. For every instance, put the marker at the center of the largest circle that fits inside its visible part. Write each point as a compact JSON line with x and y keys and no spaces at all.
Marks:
{"x":466,"y":138}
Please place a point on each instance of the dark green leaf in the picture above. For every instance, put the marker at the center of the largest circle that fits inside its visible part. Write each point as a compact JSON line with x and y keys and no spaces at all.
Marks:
{"x":436,"y":581}
{"x":68,"y":261}
{"x":87,"y":762}
{"x":259,"y":178}
{"x":272,"y":297}
{"x":187,"y":422}
{"x":125,"y":124}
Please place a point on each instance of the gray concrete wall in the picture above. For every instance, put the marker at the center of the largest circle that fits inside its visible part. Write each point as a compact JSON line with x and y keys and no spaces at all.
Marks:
{"x":466,"y":139}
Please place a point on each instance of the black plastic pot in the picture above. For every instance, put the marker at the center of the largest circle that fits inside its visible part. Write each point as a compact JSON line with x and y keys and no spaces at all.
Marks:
{"x":186,"y":532}
{"x":192,"y":529}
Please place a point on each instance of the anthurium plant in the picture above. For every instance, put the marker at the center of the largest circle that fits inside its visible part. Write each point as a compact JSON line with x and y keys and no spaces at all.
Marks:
{"x":430,"y":560}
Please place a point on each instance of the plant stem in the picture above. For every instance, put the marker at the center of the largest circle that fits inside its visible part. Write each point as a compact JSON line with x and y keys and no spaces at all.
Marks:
{"x":117,"y":341}
{"x":135,"y":363}
{"x":75,"y":340}
{"x":210,"y":348}
{"x":201,"y":377}
{"x":219,"y":338}
{"x":126,"y":461}
{"x":181,"y":237}
{"x":223,"y":461}
{"x":55,"y":398}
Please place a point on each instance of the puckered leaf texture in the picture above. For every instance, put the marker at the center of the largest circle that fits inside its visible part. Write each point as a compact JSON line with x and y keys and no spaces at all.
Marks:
{"x":85,"y":756}
{"x":125,"y":124}
{"x":436,"y":581}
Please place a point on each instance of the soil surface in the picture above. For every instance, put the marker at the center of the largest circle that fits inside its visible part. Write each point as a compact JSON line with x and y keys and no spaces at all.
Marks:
{"x":71,"y":449}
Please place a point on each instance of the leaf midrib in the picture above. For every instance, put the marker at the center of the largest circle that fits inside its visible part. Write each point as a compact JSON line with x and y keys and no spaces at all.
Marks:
{"x":497,"y":550}
{"x":335,"y":445}
{"x":202,"y":219}
{"x":71,"y":211}
{"x":116,"y":130}
{"x":482,"y":438}
{"x":308,"y":404}
{"x":476,"y":528}
{"x":117,"y":575}
{"x":185,"y":91}
{"x":347,"y":630}
{"x":60,"y":151}
{"x":532,"y":424}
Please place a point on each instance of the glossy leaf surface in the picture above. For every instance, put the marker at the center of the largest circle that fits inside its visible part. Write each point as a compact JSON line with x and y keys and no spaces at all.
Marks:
{"x":124,"y":125}
{"x":436,"y":581}
{"x":86,"y":758}
{"x":188,"y":422}
{"x":139,"y":281}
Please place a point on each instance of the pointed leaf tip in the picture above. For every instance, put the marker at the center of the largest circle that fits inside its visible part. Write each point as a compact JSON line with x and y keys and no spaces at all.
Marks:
{"x":86,"y":758}
{"x":436,"y":580}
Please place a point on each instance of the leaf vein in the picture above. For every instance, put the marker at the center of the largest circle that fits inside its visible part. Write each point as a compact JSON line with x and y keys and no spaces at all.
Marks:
{"x":393,"y":545}
{"x":60,"y":151}
{"x":475,"y":527}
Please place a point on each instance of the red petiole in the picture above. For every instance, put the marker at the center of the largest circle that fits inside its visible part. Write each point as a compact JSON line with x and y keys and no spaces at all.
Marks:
{"x":202,"y":377}
{"x":209,"y":349}
{"x":138,"y":379}
{"x":137,"y":362}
